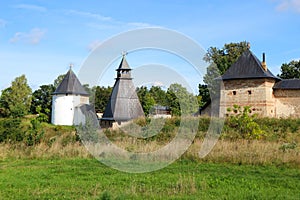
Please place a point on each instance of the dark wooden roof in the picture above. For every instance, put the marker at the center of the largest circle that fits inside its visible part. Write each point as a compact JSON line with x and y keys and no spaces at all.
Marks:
{"x":247,"y":66}
{"x":123,"y":65}
{"x":291,"y":84}
{"x":123,"y":104}
{"x":70,"y":85}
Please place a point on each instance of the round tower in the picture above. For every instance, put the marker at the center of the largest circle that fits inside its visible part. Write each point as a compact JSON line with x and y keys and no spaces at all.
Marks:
{"x":69,"y":95}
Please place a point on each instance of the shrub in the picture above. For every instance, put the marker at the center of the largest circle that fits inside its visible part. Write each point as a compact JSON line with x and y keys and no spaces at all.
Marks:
{"x":244,"y":123}
{"x":34,"y":134}
{"x":10,"y":130}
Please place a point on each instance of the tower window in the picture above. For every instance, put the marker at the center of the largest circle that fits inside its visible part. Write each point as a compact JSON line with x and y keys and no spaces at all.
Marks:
{"x":249,"y":92}
{"x":234,"y":92}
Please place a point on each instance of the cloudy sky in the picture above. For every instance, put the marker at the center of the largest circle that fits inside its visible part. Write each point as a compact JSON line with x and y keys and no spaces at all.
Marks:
{"x":40,"y":38}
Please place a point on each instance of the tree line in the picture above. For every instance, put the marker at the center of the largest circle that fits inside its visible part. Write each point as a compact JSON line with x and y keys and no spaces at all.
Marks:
{"x":18,"y":100}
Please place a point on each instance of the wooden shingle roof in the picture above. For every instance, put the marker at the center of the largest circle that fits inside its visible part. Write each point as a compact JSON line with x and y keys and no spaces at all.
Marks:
{"x":70,"y":85}
{"x":123,"y":104}
{"x":247,"y":66}
{"x":290,"y":84}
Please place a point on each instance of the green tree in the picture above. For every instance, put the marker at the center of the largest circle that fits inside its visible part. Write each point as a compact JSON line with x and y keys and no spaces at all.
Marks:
{"x":221,"y":60}
{"x":42,"y":101}
{"x":147,"y":101}
{"x":58,"y":80}
{"x":11,"y":130}
{"x":204,"y":95}
{"x":159,"y":95}
{"x":290,"y":70}
{"x":180,"y":100}
{"x":101,"y":98}
{"x":16,"y":100}
{"x":226,"y":56}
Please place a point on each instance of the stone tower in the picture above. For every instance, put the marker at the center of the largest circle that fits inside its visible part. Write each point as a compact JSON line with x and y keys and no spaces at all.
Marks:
{"x":124,"y":104}
{"x":248,"y":82}
{"x":67,"y":97}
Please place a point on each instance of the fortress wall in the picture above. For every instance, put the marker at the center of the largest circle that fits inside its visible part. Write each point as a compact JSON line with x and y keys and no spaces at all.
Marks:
{"x":256,"y":93}
{"x":287,"y":103}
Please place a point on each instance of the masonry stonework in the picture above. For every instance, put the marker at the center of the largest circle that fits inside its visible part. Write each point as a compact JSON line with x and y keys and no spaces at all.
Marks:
{"x":248,"y":82}
{"x":256,"y":93}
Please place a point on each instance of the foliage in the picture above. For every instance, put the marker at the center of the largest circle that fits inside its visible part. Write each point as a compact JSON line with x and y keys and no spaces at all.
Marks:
{"x":204,"y":95}
{"x":16,"y":100}
{"x":88,"y":132}
{"x":287,"y":146}
{"x":146,"y":99}
{"x":34,"y":134}
{"x":221,"y":60}
{"x":42,"y":102}
{"x":159,"y":95}
{"x":101,"y":98}
{"x":243,"y":121}
{"x":58,"y":80}
{"x":10,"y":130}
{"x":181,"y":101}
{"x":225,"y":56}
{"x":290,"y":70}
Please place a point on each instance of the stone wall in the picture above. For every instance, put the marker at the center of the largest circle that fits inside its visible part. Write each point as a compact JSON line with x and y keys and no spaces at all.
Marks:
{"x":287,"y":103}
{"x":257,"y":93}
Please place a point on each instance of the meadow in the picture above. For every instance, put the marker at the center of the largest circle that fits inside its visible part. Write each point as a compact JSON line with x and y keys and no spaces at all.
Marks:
{"x":57,"y":166}
{"x":83,"y":178}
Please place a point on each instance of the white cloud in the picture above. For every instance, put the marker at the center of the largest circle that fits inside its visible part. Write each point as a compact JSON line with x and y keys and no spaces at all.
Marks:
{"x":89,"y":15}
{"x":34,"y":36}
{"x":286,"y":5}
{"x":2,"y":23}
{"x":139,"y":24}
{"x":106,"y":22}
{"x":31,"y":7}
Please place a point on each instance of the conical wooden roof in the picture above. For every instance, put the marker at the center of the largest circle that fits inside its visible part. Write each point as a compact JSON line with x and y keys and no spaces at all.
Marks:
{"x":124,"y":104}
{"x":70,"y":85}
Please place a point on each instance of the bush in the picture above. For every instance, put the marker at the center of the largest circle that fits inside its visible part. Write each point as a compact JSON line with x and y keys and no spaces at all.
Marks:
{"x":10,"y":130}
{"x":34,"y":134}
{"x":241,"y":120}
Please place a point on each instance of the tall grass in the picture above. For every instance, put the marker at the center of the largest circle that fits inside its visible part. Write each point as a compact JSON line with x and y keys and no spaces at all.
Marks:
{"x":279,"y":146}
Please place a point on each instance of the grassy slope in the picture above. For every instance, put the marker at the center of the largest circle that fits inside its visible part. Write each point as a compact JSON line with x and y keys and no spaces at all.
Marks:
{"x":88,"y":179}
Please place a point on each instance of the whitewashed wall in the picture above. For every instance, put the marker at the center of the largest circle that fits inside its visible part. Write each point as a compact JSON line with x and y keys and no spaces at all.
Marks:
{"x":63,"y":108}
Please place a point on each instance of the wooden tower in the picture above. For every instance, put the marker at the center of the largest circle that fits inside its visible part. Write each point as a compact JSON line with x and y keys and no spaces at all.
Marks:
{"x":124,"y":104}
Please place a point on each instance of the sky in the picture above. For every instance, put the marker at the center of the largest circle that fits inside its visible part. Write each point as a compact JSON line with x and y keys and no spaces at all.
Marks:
{"x":40,"y":38}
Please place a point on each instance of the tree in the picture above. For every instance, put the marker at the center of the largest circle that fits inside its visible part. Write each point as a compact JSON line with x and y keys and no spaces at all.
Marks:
{"x":58,"y":80}
{"x":42,"y":101}
{"x":101,"y":99}
{"x":221,"y":60}
{"x":204,"y":95}
{"x":16,"y":100}
{"x":180,"y":100}
{"x":226,"y":56}
{"x":290,"y":70}
{"x":159,"y":95}
{"x":146,"y":100}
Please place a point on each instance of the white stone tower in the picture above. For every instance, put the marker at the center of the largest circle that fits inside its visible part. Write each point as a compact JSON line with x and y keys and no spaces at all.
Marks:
{"x":68,"y":96}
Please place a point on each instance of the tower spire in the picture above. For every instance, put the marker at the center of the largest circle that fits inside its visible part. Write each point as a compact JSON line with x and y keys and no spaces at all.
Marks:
{"x":124,"y":53}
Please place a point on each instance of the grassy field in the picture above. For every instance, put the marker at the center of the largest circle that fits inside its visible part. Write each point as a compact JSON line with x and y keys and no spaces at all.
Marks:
{"x":57,"y":166}
{"x":86,"y":178}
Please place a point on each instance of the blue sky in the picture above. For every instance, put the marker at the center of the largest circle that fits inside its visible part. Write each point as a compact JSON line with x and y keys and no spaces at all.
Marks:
{"x":40,"y":38}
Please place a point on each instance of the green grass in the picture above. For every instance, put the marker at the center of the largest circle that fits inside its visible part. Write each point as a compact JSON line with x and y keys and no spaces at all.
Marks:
{"x":88,"y":179}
